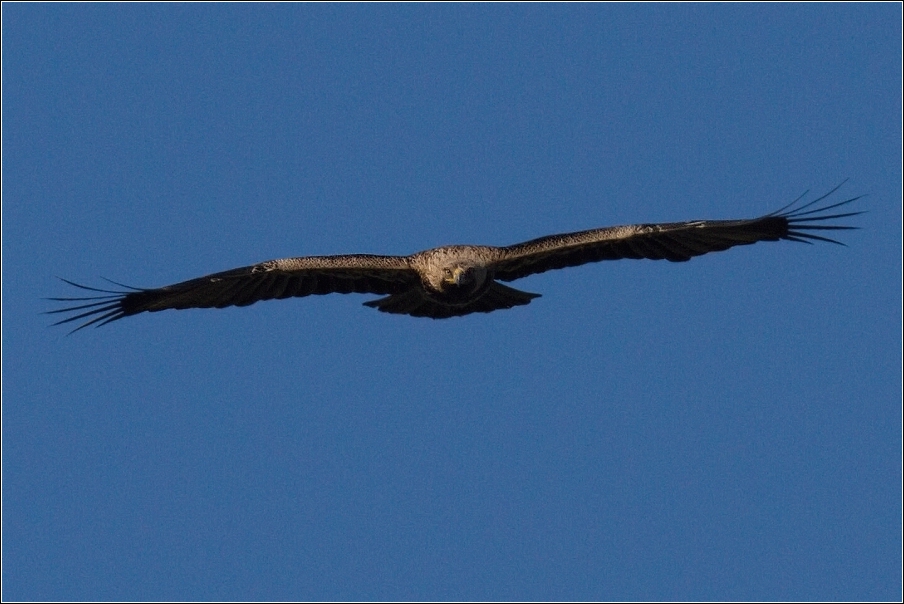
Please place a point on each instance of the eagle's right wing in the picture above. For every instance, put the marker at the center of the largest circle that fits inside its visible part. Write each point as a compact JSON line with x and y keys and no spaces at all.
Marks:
{"x":274,"y":279}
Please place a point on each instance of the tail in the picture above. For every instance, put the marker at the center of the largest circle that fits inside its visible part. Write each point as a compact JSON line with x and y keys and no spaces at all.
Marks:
{"x":415,"y":302}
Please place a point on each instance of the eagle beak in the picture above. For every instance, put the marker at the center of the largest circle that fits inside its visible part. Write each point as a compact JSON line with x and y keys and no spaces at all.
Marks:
{"x":457,"y":274}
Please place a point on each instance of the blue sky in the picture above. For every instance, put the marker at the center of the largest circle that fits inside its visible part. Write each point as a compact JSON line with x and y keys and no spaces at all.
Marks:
{"x":727,"y":428}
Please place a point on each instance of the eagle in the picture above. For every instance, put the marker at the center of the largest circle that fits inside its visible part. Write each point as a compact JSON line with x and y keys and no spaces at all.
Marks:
{"x":456,"y":280}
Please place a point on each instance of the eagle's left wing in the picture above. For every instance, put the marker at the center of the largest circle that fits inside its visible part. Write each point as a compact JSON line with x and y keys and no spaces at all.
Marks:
{"x":274,"y":279}
{"x":675,"y":241}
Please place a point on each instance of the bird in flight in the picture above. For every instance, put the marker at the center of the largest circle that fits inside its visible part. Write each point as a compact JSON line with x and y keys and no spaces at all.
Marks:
{"x":456,"y":280}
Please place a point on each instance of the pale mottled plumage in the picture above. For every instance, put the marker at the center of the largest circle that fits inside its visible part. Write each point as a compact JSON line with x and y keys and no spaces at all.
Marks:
{"x":457,"y":279}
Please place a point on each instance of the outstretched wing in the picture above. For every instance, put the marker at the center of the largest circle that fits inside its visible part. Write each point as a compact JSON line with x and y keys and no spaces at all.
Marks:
{"x":675,"y":241}
{"x":274,"y":279}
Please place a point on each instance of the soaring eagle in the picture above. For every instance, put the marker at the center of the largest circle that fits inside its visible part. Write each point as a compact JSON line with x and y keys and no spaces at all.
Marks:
{"x":456,"y":280}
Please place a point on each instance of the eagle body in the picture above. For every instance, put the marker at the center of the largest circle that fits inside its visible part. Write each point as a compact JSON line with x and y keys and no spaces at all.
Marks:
{"x":455,"y":280}
{"x":455,"y":274}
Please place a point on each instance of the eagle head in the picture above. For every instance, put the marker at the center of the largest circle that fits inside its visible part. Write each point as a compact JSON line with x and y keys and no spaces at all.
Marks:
{"x":455,"y":274}
{"x":463,"y":278}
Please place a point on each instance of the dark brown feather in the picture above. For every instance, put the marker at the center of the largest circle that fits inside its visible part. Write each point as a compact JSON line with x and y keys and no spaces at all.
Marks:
{"x":676,"y":241}
{"x":276,"y":279}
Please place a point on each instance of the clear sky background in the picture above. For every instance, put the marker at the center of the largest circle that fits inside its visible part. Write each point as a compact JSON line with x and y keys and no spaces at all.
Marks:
{"x":727,"y":428}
